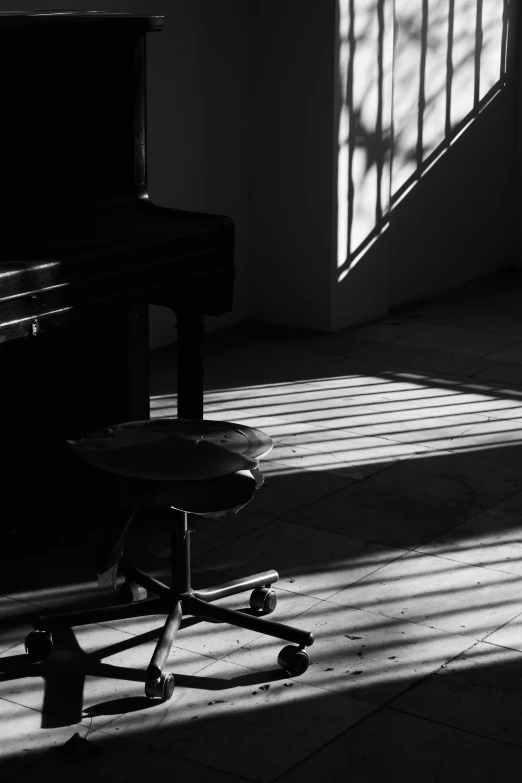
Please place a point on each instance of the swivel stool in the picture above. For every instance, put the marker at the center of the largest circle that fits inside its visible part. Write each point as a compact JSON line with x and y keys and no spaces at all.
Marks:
{"x":189,"y":466}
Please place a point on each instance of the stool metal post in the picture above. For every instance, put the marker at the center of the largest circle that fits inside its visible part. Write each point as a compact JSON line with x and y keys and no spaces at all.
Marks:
{"x":180,"y":554}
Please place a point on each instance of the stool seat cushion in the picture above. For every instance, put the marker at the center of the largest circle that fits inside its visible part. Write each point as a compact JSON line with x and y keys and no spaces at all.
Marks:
{"x":172,"y":449}
{"x":213,"y":498}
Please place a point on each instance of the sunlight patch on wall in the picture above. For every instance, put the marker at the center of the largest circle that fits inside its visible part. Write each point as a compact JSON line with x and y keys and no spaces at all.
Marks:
{"x":408,"y":48}
{"x":435,"y":81}
{"x":411,"y":76}
{"x":491,"y":66}
{"x":365,"y":69}
{"x":463,"y":59}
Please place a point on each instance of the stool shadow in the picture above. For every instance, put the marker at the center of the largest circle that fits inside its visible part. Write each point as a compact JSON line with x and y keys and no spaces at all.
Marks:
{"x":64,"y":674}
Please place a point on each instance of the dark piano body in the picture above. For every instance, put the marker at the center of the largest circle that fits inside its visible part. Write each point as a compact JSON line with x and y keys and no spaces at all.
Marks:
{"x":83,"y":251}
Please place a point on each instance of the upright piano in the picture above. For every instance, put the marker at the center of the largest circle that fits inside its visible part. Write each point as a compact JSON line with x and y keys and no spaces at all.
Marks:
{"x":83,"y":251}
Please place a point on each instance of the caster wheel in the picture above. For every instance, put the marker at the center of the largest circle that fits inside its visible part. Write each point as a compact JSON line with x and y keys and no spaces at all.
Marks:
{"x":293,"y":660}
{"x":264,"y":599}
{"x":130,"y":593}
{"x":39,"y":645}
{"x":162,"y":688}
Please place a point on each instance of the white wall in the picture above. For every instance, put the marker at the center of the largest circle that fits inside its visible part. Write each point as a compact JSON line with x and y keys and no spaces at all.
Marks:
{"x":290,"y":186}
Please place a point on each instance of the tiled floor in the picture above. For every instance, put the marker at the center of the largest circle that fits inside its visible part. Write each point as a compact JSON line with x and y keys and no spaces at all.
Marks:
{"x":393,"y":512}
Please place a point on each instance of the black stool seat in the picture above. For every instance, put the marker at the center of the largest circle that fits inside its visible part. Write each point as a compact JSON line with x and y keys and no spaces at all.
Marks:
{"x":204,"y":467}
{"x":170,"y":449}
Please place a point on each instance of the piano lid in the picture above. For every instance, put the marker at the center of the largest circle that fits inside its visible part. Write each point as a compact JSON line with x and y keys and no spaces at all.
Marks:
{"x":142,"y":22}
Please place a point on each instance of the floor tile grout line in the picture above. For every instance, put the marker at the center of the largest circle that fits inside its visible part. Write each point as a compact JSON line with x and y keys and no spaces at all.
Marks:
{"x":388,"y":704}
{"x":213,"y":660}
{"x":430,"y":376}
{"x":349,"y":607}
{"x":18,"y":775}
{"x":423,"y":452}
{"x":432,"y":353}
{"x":47,"y":754}
{"x":42,"y":712}
{"x":472,"y":639}
{"x":311,"y":427}
{"x":322,"y":688}
{"x":327,"y":494}
{"x":387,"y":543}
{"x":316,"y":752}
{"x":290,"y":522}
{"x":465,"y":562}
{"x":403,"y":554}
{"x":413,"y":367}
{"x":394,"y":559}
{"x":486,"y":637}
{"x":33,"y":709}
{"x":454,"y":325}
{"x":368,"y":610}
{"x":456,"y":728}
{"x":418,"y":622}
{"x":236,"y":538}
{"x":420,"y":413}
{"x":340,"y":607}
{"x":210,"y":662}
{"x":438,"y":497}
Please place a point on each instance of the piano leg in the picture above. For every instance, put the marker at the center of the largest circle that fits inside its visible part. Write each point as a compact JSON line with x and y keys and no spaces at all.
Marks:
{"x":190,"y":364}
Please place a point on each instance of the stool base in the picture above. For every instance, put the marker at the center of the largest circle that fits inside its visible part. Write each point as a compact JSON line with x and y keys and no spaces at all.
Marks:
{"x":180,"y":601}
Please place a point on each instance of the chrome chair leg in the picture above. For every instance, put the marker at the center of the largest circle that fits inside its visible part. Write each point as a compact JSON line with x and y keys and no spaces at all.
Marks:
{"x":159,"y":684}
